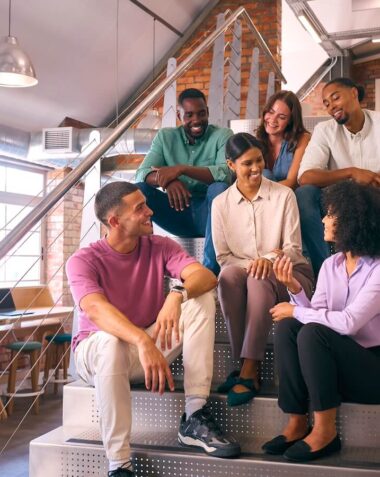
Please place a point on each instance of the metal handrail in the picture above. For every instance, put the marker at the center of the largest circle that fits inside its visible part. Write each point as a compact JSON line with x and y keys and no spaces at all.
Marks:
{"x":75,"y":175}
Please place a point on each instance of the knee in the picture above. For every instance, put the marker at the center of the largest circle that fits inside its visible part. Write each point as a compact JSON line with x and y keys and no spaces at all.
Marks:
{"x":113,"y":351}
{"x":310,"y":334}
{"x":215,"y":189}
{"x":145,"y":188}
{"x":285,"y":329}
{"x":230,"y":276}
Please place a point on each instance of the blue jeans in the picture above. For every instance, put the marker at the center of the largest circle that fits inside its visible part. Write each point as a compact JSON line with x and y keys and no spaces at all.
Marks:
{"x":309,"y":204}
{"x":194,"y":221}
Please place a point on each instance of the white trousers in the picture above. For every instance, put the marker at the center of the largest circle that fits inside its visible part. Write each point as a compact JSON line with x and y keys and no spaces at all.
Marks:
{"x":110,"y":364}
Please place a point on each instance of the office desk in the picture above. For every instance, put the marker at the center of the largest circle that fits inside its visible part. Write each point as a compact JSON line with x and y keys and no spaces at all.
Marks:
{"x":43,"y":320}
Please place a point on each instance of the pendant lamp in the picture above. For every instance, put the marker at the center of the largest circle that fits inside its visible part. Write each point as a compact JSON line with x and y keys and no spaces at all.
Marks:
{"x":16,"y":69}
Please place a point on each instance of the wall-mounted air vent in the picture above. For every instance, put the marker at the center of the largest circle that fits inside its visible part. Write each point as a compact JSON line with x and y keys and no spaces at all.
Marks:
{"x":57,"y":139}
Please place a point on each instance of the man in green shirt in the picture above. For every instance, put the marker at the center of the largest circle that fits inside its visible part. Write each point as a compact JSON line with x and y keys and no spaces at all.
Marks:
{"x":188,"y":163}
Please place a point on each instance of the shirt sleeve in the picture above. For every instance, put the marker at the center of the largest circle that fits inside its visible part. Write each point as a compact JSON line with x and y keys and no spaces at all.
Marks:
{"x":83,"y":278}
{"x":291,"y":231}
{"x":317,"y":152}
{"x":154,"y":158}
{"x":176,"y":259}
{"x":349,"y":320}
{"x":219,"y":170}
{"x":224,"y":256}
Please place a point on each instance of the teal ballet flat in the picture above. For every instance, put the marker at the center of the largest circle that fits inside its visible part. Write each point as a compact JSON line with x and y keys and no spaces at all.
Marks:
{"x":229,"y":382}
{"x":236,"y":399}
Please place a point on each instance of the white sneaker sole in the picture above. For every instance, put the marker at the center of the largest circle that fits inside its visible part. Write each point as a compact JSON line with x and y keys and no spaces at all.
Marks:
{"x":187,"y":441}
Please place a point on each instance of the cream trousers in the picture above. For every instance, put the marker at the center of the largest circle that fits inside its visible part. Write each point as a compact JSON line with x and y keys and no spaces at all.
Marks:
{"x":110,"y":364}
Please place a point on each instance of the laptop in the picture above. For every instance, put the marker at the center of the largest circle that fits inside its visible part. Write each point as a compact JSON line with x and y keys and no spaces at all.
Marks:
{"x":7,"y":305}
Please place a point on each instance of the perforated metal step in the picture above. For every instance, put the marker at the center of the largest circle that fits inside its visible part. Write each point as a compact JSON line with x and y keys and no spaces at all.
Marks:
{"x":358,"y":425}
{"x":51,"y":454}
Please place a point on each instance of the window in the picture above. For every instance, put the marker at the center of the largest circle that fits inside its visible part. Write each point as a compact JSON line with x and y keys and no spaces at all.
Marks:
{"x":21,"y":189}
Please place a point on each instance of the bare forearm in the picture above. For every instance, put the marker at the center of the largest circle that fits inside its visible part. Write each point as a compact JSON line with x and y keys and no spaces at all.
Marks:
{"x":109,"y":319}
{"x":199,"y":282}
{"x":151,"y":179}
{"x":323,"y":178}
{"x":289,"y":183}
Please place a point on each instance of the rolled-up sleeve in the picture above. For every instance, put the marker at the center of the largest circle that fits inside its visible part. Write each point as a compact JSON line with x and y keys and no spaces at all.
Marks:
{"x":219,"y":170}
{"x":317,"y":153}
{"x":154,"y":158}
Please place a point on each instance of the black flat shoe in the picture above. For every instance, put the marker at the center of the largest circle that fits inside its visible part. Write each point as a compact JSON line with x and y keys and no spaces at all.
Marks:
{"x":301,"y":451}
{"x":278,"y":445}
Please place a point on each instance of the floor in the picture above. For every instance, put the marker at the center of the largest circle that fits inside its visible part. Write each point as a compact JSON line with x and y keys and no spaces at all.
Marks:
{"x":14,"y":459}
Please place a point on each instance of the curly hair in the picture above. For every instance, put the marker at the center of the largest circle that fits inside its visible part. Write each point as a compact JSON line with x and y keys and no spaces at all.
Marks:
{"x":357,"y":211}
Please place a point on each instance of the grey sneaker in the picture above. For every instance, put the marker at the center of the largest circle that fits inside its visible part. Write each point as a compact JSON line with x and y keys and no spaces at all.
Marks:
{"x":200,"y":430}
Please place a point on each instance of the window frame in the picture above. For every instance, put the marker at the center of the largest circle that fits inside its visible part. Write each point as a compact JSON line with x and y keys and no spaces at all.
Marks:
{"x":15,"y":198}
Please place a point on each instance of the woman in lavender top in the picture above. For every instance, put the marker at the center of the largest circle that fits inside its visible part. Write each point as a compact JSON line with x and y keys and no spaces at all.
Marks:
{"x":328,"y":349}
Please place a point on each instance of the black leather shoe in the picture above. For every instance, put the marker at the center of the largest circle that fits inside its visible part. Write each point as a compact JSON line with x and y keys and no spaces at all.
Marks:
{"x":301,"y":451}
{"x":278,"y":445}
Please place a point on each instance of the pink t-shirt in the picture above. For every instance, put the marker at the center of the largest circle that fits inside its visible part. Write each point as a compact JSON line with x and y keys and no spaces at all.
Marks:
{"x":132,"y":282}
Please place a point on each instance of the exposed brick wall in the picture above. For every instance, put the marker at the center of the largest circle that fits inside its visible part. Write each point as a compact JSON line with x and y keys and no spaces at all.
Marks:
{"x":266,"y":15}
{"x":63,"y":234}
{"x":365,"y":74}
{"x":314,"y":101}
{"x":362,"y":73}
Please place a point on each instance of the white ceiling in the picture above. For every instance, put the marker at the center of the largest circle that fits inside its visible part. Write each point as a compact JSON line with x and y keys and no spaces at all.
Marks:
{"x":347,"y":15}
{"x":72,"y":44}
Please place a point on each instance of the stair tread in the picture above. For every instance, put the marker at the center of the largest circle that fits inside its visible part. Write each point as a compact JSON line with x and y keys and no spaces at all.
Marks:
{"x":165,"y":443}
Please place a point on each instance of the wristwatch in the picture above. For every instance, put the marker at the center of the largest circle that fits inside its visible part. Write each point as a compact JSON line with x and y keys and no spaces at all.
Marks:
{"x":181,"y":290}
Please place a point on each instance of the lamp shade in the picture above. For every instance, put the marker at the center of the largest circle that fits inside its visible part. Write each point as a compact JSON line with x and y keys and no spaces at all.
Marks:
{"x":16,"y":69}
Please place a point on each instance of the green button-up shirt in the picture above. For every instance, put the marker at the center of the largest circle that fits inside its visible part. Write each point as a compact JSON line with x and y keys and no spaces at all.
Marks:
{"x":171,"y":147}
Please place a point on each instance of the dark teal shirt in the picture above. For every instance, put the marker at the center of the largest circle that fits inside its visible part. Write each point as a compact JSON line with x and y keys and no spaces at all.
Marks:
{"x":171,"y":147}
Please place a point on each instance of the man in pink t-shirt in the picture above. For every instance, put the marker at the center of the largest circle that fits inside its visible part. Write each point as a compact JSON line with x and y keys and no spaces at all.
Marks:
{"x":117,"y":284}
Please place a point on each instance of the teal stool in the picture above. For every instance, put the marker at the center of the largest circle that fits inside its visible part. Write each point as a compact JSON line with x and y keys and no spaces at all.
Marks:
{"x":33,"y":350}
{"x":57,"y":357}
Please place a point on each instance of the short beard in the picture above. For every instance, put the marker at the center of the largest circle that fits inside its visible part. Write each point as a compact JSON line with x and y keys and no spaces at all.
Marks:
{"x":342,"y":120}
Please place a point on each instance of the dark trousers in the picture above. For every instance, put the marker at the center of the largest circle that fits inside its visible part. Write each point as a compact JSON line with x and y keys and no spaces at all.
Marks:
{"x":320,"y":368}
{"x":309,"y":205}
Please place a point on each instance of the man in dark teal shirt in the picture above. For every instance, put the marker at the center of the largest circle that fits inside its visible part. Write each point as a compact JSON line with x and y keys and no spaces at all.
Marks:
{"x":188,"y":163}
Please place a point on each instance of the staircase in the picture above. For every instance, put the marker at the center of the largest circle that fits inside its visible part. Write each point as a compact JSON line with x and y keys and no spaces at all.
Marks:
{"x":76,"y":450}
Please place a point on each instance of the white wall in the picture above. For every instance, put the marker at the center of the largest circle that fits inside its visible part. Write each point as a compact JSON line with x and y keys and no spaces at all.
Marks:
{"x":301,"y":55}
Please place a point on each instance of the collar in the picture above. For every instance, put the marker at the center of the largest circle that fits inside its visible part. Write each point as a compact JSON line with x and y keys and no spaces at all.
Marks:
{"x":262,"y":193}
{"x":186,"y":139}
{"x":364,"y":260}
{"x":363,"y":133}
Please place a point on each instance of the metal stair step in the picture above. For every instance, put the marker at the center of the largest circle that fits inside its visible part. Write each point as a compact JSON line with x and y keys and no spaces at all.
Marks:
{"x":159,"y":455}
{"x":358,"y":424}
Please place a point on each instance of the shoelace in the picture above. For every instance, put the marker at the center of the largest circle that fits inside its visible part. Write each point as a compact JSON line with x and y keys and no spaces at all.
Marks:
{"x":207,"y":418}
